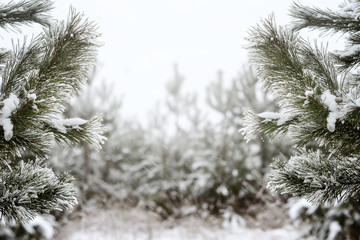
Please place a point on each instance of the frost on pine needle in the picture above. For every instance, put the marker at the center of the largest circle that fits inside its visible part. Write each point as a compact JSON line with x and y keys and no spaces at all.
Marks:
{"x":38,"y":77}
{"x":24,"y":188}
{"x":319,"y":92}
{"x":321,"y":179}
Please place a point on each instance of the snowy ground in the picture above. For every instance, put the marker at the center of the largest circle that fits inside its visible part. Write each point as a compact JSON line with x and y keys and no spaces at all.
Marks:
{"x":135,"y":224}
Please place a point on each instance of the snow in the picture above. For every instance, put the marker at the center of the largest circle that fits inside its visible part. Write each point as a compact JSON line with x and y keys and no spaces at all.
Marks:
{"x":309,"y":93}
{"x":334,"y":229}
{"x":222,"y":189}
{"x":137,"y":224}
{"x":282,"y":117}
{"x":270,"y":115}
{"x":71,"y":122}
{"x":60,"y":124}
{"x":298,"y":205}
{"x":10,"y":104}
{"x":31,"y":96}
{"x":350,"y":51}
{"x":335,"y":111}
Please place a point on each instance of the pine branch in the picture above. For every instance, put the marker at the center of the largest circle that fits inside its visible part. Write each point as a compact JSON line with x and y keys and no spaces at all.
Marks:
{"x":327,"y":20}
{"x":90,"y":132}
{"x":275,"y":53}
{"x":44,"y":76}
{"x":33,"y":141}
{"x":29,"y":189}
{"x":21,"y":62}
{"x":321,"y":65}
{"x":350,"y":57}
{"x":4,"y":54}
{"x":38,"y":78}
{"x":254,"y":125}
{"x":319,"y":97}
{"x":305,"y":80}
{"x":319,"y":177}
{"x":345,"y":21}
{"x":25,"y":12}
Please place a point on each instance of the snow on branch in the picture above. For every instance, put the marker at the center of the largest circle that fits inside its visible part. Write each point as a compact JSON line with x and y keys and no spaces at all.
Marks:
{"x":77,"y":130}
{"x":30,"y":188}
{"x":9,"y":105}
{"x":344,"y":20}
{"x":38,"y":77}
{"x":317,"y":176}
{"x":20,"y":12}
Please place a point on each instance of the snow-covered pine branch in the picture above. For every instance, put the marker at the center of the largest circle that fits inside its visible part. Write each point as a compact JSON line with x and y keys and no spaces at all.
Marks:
{"x":14,"y":14}
{"x":37,"y":78}
{"x":30,"y":188}
{"x":345,"y":20}
{"x":319,"y":101}
{"x":43,"y":76}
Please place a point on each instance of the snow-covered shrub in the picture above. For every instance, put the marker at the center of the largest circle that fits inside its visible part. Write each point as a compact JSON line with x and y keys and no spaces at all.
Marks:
{"x":193,"y":161}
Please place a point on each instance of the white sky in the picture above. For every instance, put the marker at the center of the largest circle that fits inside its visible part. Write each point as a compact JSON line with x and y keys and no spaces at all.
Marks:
{"x":143,"y":39}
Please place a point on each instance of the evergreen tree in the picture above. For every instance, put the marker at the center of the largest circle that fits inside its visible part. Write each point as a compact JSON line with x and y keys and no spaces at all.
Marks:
{"x":319,"y":97}
{"x":92,"y":169}
{"x":38,"y":77}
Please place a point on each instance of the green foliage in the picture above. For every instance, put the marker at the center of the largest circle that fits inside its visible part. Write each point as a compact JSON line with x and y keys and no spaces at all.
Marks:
{"x":14,"y":14}
{"x":31,"y":189}
{"x":318,"y":93}
{"x":37,"y":78}
{"x":318,"y":103}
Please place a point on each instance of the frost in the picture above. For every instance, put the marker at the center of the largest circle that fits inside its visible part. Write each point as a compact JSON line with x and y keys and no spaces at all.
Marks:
{"x":10,"y":104}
